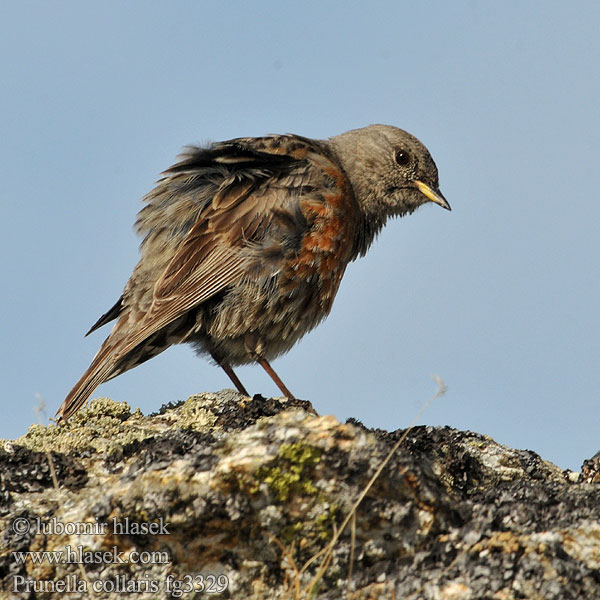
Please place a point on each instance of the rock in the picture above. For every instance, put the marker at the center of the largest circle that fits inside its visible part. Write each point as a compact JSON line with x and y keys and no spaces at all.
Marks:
{"x":256,"y":498}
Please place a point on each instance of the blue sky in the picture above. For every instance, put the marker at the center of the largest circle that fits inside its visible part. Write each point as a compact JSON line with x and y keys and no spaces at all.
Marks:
{"x":499,"y":297}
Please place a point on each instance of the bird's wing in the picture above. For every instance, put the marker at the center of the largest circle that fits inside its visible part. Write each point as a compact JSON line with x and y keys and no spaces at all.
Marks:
{"x":264,"y":180}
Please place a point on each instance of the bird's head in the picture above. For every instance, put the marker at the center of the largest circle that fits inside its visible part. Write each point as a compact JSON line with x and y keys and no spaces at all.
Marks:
{"x":391,"y":171}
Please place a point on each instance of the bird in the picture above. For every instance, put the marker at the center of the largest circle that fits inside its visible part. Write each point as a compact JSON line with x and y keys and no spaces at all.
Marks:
{"x":245,"y":243}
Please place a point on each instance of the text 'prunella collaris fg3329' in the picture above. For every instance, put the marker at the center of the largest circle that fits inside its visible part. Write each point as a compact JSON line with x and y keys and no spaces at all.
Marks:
{"x":245,"y":243}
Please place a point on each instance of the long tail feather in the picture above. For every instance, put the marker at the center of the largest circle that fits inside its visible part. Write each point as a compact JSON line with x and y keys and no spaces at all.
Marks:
{"x":101,"y":369}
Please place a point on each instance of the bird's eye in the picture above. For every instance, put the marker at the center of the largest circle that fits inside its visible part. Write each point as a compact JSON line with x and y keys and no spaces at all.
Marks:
{"x":402,"y":158}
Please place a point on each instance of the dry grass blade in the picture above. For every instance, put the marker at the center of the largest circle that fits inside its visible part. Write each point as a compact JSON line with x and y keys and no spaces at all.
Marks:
{"x":40,"y":410}
{"x":330,"y":547}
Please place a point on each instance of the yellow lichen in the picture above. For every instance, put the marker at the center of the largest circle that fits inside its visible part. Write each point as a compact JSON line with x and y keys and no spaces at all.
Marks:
{"x":292,"y":472}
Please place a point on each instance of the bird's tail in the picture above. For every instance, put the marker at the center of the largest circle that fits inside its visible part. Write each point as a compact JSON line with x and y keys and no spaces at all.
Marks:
{"x":102,"y":368}
{"x":125,"y":348}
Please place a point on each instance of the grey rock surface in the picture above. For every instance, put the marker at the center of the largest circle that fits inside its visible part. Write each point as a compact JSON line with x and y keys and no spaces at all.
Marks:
{"x":232,"y":497}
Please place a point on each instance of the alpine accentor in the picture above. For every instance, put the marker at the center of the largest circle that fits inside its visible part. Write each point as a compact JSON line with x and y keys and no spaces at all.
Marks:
{"x":245,"y":243}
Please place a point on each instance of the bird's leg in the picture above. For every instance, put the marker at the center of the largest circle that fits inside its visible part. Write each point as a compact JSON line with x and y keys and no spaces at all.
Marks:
{"x":231,"y":374}
{"x":264,"y":363}
{"x":254,"y":348}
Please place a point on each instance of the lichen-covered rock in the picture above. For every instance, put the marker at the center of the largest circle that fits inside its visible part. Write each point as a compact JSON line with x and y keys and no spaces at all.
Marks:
{"x":234,"y":497}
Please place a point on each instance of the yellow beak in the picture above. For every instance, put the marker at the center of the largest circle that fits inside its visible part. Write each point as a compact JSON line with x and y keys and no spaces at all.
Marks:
{"x":433,"y":195}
